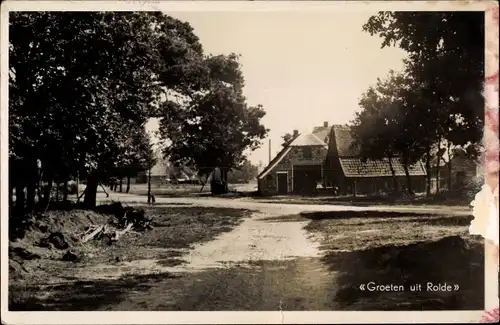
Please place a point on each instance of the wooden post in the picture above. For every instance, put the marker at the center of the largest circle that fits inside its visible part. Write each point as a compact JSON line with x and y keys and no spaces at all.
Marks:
{"x":354,"y":187}
{"x":149,"y":185}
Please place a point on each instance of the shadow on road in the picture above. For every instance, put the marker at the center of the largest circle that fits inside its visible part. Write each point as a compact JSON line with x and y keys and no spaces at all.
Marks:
{"x":320,"y":215}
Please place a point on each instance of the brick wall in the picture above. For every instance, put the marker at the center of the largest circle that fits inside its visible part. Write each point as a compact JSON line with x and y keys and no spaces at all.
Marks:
{"x":295,"y":156}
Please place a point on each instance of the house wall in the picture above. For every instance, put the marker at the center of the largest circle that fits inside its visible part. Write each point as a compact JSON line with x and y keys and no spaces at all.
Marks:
{"x":379,"y":185}
{"x":464,"y":171}
{"x":295,"y":156}
{"x":369,"y":185}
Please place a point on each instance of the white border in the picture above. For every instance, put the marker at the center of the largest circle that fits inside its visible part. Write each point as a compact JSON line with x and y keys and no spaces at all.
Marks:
{"x":201,"y":317}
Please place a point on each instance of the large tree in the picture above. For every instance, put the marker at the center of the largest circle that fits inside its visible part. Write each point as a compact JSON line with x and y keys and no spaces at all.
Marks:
{"x":214,"y":126}
{"x":446,"y":58}
{"x":82,"y":84}
{"x":396,"y":121}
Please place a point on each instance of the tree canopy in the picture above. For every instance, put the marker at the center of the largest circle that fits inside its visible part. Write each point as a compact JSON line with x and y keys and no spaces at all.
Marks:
{"x":214,"y":127}
{"x":82,"y":85}
{"x":437,"y":97}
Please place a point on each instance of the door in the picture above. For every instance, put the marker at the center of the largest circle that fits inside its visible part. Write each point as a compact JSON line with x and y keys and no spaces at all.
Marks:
{"x":306,"y":178}
{"x":282,"y":183}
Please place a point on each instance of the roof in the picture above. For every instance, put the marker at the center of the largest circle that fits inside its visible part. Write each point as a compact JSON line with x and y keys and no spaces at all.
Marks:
{"x":275,"y":161}
{"x":306,"y":140}
{"x":303,"y":140}
{"x":345,"y":142}
{"x":355,"y":167}
{"x":322,"y":132}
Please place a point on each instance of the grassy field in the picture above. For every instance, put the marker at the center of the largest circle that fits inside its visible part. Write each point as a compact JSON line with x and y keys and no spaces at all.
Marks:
{"x":175,"y":190}
{"x":175,"y":230}
{"x":401,"y":248}
{"x":435,"y":201}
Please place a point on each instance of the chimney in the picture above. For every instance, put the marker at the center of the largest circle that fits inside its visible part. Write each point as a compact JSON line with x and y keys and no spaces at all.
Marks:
{"x":295,"y":133}
{"x":325,"y":124}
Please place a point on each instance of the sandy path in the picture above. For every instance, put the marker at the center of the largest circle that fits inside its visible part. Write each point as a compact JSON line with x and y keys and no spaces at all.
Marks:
{"x":253,"y":240}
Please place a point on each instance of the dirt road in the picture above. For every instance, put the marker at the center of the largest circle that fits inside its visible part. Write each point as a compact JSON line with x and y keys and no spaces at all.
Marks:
{"x":270,"y":262}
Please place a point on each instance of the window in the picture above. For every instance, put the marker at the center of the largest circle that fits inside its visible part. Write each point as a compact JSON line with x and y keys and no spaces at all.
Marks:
{"x":307,"y":152}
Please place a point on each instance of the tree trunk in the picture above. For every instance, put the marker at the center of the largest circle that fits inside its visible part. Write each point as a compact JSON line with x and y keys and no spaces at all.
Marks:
{"x":20,"y":198}
{"x":225,"y":188}
{"x":203,"y":182}
{"x":438,"y":177}
{"x":128,"y":184}
{"x":394,"y":179}
{"x":30,"y":194}
{"x":31,"y":181}
{"x":65,"y":189}
{"x":46,"y":195}
{"x":149,"y":186}
{"x":429,"y":173}
{"x":408,"y":179}
{"x":449,"y":167}
{"x":57,"y":190}
{"x":90,"y":199}
{"x":121,"y":185}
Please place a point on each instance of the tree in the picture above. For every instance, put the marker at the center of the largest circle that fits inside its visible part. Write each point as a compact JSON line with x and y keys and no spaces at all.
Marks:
{"x":396,"y":121}
{"x":446,"y":56}
{"x":375,"y":128}
{"x":81,"y":84}
{"x":440,"y":96}
{"x":287,"y":138}
{"x":243,"y":173}
{"x":214,"y":126}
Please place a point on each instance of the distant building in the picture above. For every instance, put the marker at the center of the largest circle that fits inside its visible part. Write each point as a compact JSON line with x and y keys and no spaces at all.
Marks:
{"x":297,"y":168}
{"x":464,"y":171}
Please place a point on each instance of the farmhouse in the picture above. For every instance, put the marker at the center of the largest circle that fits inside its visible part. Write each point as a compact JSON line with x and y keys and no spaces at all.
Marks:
{"x":297,"y":168}
{"x":346,"y":170}
{"x":460,"y":172}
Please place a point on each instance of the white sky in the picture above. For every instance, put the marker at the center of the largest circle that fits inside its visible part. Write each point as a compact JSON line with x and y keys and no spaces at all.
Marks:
{"x":303,"y":67}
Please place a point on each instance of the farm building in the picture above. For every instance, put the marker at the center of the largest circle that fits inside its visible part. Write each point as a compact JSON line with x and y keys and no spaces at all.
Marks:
{"x":464,"y":171}
{"x":351,"y":175}
{"x":297,"y":168}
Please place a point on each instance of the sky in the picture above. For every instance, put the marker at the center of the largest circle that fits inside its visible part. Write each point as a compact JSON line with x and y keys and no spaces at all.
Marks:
{"x":305,"y":68}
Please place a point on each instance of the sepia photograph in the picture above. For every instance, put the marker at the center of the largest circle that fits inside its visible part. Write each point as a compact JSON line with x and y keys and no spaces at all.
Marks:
{"x":161,"y":159}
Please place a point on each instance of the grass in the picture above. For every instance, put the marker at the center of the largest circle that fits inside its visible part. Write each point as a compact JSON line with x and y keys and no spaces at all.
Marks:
{"x":359,"y":247}
{"x":175,"y":230}
{"x":404,"y":249}
{"x":182,"y":190}
{"x":449,"y":200}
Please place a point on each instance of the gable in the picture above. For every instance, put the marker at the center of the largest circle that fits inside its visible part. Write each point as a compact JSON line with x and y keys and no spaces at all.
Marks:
{"x":307,"y":139}
{"x":322,"y":132}
{"x":342,"y":139}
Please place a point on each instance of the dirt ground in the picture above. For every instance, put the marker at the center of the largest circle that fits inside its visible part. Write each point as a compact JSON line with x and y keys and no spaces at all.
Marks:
{"x":218,"y":254}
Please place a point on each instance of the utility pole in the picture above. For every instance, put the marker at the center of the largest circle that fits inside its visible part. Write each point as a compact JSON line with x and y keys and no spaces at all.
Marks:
{"x":269,"y":150}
